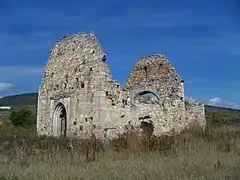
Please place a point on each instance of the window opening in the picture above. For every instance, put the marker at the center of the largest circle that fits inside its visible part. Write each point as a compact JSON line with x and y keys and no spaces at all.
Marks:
{"x":82,"y":85}
{"x":104,"y":58}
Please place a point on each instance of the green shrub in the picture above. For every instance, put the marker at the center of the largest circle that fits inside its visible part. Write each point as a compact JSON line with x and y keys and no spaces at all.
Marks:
{"x":22,"y":117}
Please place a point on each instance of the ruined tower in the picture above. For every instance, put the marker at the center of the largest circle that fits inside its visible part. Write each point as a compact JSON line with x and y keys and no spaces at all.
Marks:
{"x":154,"y":74}
{"x":78,"y":95}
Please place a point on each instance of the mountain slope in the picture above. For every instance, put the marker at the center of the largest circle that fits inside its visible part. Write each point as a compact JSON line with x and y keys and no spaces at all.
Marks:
{"x":29,"y":99}
{"x":221,"y":115}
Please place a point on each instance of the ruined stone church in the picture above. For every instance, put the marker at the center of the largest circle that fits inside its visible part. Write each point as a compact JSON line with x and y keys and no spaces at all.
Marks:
{"x":78,"y":96}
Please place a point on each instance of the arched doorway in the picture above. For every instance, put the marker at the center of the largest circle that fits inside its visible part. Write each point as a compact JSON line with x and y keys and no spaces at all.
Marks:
{"x":60,"y":120}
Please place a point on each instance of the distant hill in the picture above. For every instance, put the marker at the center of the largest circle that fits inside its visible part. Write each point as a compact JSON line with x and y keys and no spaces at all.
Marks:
{"x":214,"y":115}
{"x":29,"y":99}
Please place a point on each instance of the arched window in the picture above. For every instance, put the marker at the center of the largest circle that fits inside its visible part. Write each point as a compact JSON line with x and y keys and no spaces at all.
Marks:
{"x":147,"y":97}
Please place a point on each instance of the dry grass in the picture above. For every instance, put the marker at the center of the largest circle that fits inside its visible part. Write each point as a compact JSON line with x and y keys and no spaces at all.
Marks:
{"x":213,"y":154}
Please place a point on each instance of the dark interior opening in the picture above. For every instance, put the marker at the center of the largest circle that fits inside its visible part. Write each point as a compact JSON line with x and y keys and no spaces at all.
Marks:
{"x":104,"y":58}
{"x":147,"y":128}
{"x":82,"y":84}
{"x":63,"y":118}
{"x":80,"y":128}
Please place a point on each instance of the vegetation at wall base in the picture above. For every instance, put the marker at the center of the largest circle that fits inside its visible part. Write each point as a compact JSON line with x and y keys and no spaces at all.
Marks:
{"x":193,"y":154}
{"x":22,"y":117}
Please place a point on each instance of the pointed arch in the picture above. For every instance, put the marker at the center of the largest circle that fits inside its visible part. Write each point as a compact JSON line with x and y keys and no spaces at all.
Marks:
{"x":60,"y":120}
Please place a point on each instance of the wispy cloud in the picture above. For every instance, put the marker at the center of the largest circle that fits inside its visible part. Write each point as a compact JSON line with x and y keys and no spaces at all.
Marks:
{"x":210,"y":35}
{"x":217,"y":101}
{"x":197,"y":80}
{"x":57,"y":20}
{"x":42,"y":34}
{"x":163,"y":19}
{"x":223,"y":42}
{"x":13,"y":72}
{"x":5,"y":86}
{"x":218,"y":82}
{"x":187,"y":98}
{"x":15,"y":79}
{"x":46,"y":32}
{"x":133,"y":18}
{"x":12,"y":43}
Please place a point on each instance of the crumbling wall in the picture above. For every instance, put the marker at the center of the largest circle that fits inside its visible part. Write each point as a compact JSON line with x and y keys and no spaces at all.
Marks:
{"x":155,"y":74}
{"x":77,"y":75}
{"x":195,"y":114}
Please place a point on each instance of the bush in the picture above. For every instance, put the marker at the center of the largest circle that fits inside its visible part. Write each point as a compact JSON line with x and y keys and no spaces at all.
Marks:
{"x":22,"y":117}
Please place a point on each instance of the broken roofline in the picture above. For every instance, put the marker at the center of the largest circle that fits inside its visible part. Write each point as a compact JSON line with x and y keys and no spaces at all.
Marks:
{"x":162,"y":57}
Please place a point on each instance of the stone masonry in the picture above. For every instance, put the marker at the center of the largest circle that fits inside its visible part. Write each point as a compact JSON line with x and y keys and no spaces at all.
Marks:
{"x":78,"y":95}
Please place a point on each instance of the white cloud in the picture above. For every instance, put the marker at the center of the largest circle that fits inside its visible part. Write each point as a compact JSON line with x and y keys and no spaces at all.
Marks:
{"x":17,"y":78}
{"x":189,"y":98}
{"x":217,"y":101}
{"x":5,"y":86}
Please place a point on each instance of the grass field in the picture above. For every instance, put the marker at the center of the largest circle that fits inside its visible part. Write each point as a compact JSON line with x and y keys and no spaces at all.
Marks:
{"x":214,"y":154}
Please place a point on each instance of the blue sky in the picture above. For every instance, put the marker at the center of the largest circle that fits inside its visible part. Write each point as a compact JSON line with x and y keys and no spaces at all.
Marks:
{"x":200,"y":38}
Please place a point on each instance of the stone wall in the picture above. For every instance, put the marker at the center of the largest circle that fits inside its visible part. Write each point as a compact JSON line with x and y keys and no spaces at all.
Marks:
{"x":155,"y":74}
{"x":77,"y":87}
{"x":76,"y":71}
{"x":195,"y":114}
